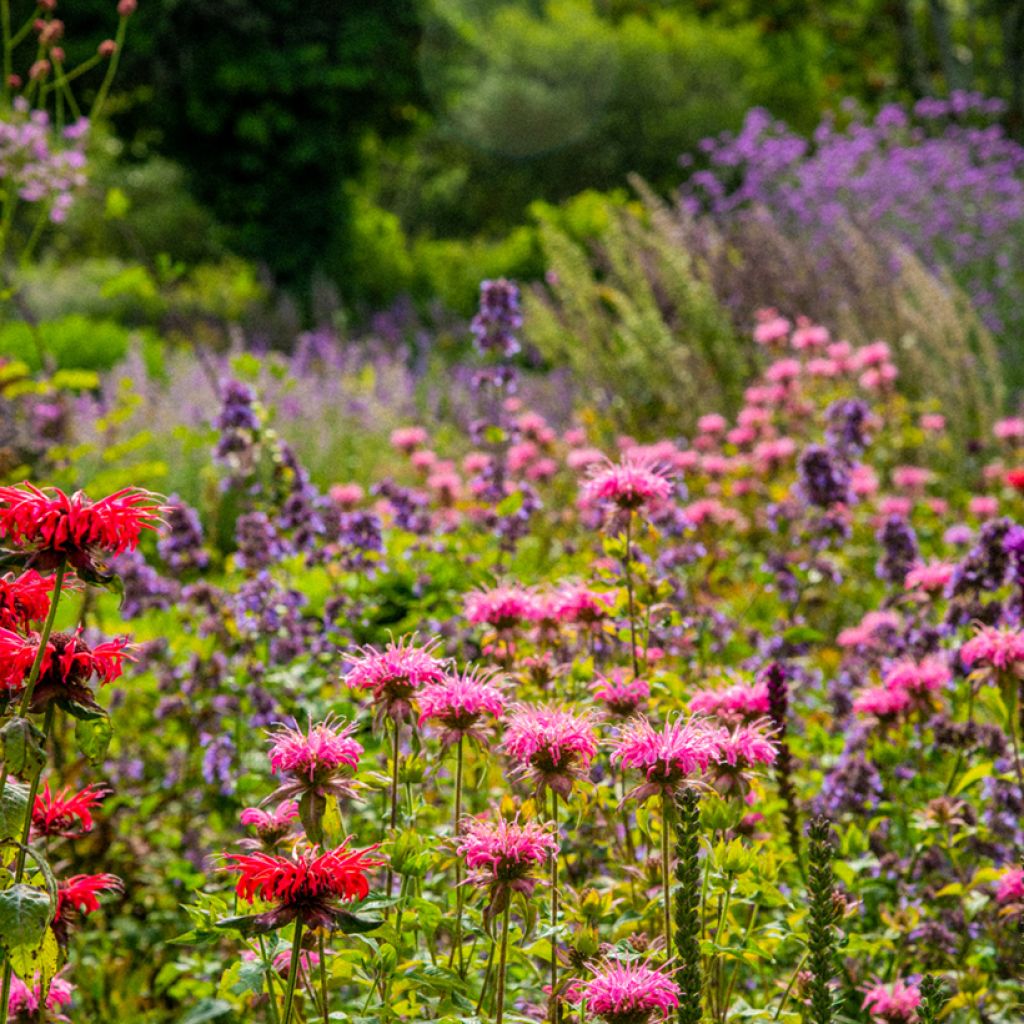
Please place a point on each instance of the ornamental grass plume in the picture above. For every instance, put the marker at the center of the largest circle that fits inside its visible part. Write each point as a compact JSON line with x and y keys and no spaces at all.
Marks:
{"x":626,"y":993}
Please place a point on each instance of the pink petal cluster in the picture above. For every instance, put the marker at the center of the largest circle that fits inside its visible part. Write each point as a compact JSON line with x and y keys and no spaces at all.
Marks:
{"x":732,"y":703}
{"x":1001,"y":649}
{"x":621,"y":692}
{"x":631,"y":484}
{"x":579,"y":605}
{"x":866,"y":634}
{"x":1011,"y":886}
{"x":316,"y":753}
{"x":271,"y":826}
{"x":624,"y":993}
{"x":553,"y":744}
{"x":502,"y":608}
{"x":459,"y":702}
{"x":931,"y":576}
{"x":893,"y":1004}
{"x":881,"y":702}
{"x":669,"y":756}
{"x":394,"y":674}
{"x":746,"y":746}
{"x":918,"y":677}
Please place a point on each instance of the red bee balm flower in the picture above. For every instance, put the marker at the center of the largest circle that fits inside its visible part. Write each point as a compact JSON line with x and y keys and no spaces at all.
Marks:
{"x":24,"y":600}
{"x":52,"y":527}
{"x":79,"y":895}
{"x":621,"y":993}
{"x":308,"y":885}
{"x":66,"y":813}
{"x":68,"y":665}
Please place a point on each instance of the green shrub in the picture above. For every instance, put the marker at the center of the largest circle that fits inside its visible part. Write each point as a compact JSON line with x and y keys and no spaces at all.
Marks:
{"x":72,"y":342}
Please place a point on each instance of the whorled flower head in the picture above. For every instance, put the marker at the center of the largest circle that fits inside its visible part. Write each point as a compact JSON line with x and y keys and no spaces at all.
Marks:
{"x":999,"y":649}
{"x":23,"y":1002}
{"x":318,"y":760}
{"x":1011,"y":887}
{"x":66,"y":813}
{"x":621,"y":692}
{"x":459,"y":703}
{"x":634,"y":483}
{"x":883,"y":703}
{"x":67,"y":666}
{"x":309,"y":885}
{"x":892,"y":1004}
{"x":667,"y":758}
{"x":740,"y":753}
{"x":80,"y":895}
{"x":553,"y":745}
{"x":24,"y":600}
{"x":503,"y":608}
{"x":271,"y":826}
{"x":918,"y":678}
{"x":502,"y":856}
{"x":579,"y":605}
{"x":929,"y":576}
{"x":395,"y":675}
{"x":626,"y":993}
{"x":49,"y":526}
{"x":739,"y":702}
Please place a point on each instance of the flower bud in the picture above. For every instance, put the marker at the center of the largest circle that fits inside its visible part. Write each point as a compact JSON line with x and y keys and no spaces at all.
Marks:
{"x":57,"y":54}
{"x":14,"y":81}
{"x":47,"y":5}
{"x":126,"y":8}
{"x":40,"y":69}
{"x":51,"y":32}
{"x":107,"y":48}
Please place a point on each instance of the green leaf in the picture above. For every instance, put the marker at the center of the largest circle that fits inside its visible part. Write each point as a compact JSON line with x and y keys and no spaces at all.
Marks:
{"x":802,"y":635}
{"x":93,"y":737}
{"x":21,"y":746}
{"x":351,"y":924}
{"x":28,"y":962}
{"x":969,"y":778}
{"x":13,"y":805}
{"x":206,"y":1009}
{"x":25,"y":913}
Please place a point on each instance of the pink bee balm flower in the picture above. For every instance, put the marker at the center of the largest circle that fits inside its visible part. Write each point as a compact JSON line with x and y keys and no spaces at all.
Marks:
{"x":23,"y":1002}
{"x":920,"y":677}
{"x":315,"y":761}
{"x":983,"y":506}
{"x":895,"y":1004}
{"x":740,"y":753}
{"x":809,"y":335}
{"x":771,"y":327}
{"x":933,"y":422}
{"x":503,"y":854}
{"x":553,"y":745}
{"x":736,"y":703}
{"x":408,"y":439}
{"x":911,"y":478}
{"x":458,"y":704}
{"x":932,"y":576}
{"x":502,"y":608}
{"x":395,"y":674}
{"x":620,"y":692}
{"x":1000,"y":649}
{"x":712,"y":423}
{"x":622,"y":993}
{"x":871,"y":629}
{"x":271,"y":826}
{"x":581,"y":606}
{"x":882,"y":703}
{"x":1011,"y":429}
{"x":1011,"y":886}
{"x":631,"y":484}
{"x":346,"y":496}
{"x":667,"y":758}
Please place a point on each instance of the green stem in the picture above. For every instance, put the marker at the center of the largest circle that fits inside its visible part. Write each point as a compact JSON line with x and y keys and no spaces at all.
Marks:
{"x":627,"y":562}
{"x":456,"y":819}
{"x":321,"y":949}
{"x":553,"y":1004}
{"x":502,"y":957}
{"x":272,"y":1005}
{"x":44,"y":639}
{"x":293,"y":972}
{"x":666,"y":878}
{"x":108,"y":78}
{"x":394,"y":801}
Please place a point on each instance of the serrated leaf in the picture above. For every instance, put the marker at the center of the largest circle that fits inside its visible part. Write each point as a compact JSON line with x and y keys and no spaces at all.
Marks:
{"x":13,"y":804}
{"x":25,"y":913}
{"x":93,"y":737}
{"x":21,"y":746}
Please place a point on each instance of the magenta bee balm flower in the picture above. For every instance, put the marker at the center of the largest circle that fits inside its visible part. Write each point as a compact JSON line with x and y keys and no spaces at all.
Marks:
{"x":631,"y":484}
{"x":551,"y":744}
{"x":459,"y":703}
{"x":622,"y":993}
{"x":395,"y":675}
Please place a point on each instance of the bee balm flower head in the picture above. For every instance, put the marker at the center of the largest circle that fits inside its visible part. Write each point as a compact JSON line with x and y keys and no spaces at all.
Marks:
{"x":632,"y":484}
{"x":624,"y":993}
{"x":317,"y":760}
{"x":553,"y":745}
{"x":395,"y":675}
{"x":459,"y":704}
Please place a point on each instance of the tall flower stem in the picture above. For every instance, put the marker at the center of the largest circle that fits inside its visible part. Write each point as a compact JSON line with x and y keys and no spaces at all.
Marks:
{"x":502,"y":958}
{"x":293,"y":973}
{"x":36,"y":671}
{"x":456,"y":818}
{"x":19,"y":868}
{"x":666,"y":877}
{"x":627,"y":565}
{"x":272,"y":1004}
{"x":323,"y":977}
{"x":1014,"y":707}
{"x":395,"y":753}
{"x":553,"y":1004}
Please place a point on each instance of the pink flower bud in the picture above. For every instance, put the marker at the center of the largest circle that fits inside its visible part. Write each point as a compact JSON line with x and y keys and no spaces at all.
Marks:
{"x":126,"y":8}
{"x":107,"y":48}
{"x":40,"y":69}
